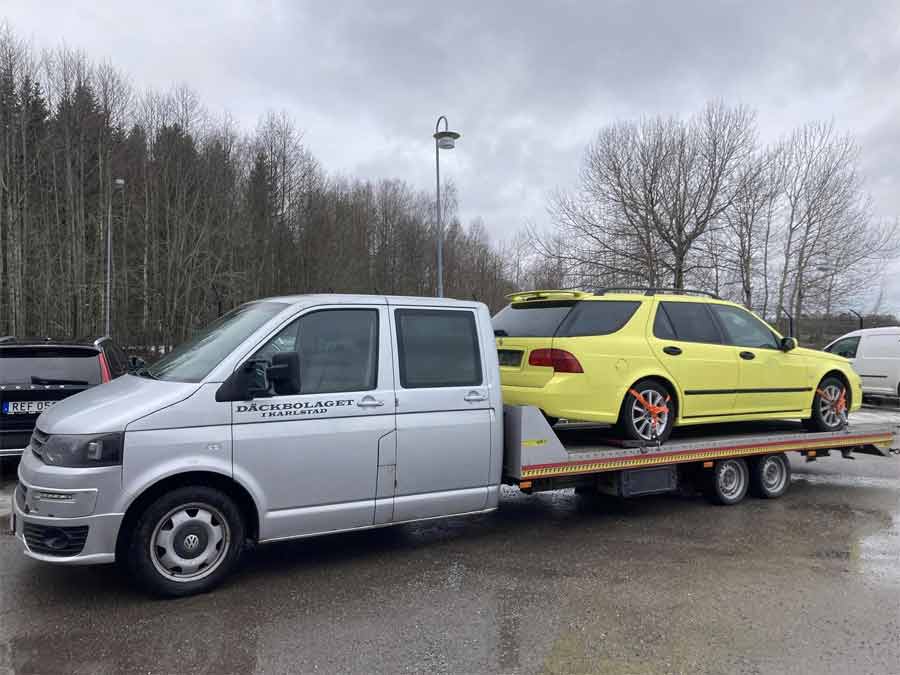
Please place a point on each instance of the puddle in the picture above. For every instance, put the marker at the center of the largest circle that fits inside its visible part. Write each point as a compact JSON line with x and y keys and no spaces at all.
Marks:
{"x":878,"y":555}
{"x":846,"y":480}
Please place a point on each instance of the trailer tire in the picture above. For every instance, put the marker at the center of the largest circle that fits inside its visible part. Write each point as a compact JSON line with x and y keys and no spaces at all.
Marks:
{"x":770,"y":476}
{"x":729,"y":482}
{"x":194,"y":525}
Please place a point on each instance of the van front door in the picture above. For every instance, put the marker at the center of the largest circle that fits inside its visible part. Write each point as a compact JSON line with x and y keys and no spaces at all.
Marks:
{"x":313,"y":449}
{"x":443,"y":413}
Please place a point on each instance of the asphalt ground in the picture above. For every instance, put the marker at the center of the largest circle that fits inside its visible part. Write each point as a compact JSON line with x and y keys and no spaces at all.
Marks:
{"x":550,"y":583}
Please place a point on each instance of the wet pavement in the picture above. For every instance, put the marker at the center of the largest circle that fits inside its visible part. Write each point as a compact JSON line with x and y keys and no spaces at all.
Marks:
{"x":551,"y":583}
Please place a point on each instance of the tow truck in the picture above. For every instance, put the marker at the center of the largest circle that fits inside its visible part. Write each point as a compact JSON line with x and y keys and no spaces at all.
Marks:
{"x":307,"y":415}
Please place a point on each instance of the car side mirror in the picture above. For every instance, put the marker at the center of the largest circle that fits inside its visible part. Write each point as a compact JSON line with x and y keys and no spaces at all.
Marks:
{"x":136,"y":363}
{"x":245,"y":383}
{"x":284,"y":373}
{"x":788,"y":343}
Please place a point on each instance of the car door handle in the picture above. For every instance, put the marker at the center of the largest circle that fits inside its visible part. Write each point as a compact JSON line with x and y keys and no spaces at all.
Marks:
{"x":672,"y":351}
{"x":369,"y":402}
{"x":748,"y":356}
{"x":474,"y":397}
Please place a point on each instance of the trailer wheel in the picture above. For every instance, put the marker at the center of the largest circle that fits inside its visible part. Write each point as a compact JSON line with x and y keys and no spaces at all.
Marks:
{"x":186,"y":541}
{"x":729,"y":482}
{"x":770,"y":476}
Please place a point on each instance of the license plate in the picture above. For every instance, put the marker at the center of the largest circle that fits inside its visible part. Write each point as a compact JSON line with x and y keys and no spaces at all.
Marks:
{"x":509,"y":357}
{"x":25,"y":407}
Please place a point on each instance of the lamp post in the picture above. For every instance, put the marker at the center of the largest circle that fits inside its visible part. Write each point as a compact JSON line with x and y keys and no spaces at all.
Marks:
{"x":443,"y":140}
{"x":119,"y":183}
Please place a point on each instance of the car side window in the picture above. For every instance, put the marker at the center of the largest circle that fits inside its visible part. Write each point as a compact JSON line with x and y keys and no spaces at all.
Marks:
{"x":690,"y":322}
{"x":338,"y":350}
{"x":742,"y":329}
{"x":662,"y":327}
{"x":597,"y":317}
{"x":846,"y":347}
{"x":437,"y":348}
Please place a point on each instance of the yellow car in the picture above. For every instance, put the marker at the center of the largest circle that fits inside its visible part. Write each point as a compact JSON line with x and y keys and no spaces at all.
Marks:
{"x":650,"y":360}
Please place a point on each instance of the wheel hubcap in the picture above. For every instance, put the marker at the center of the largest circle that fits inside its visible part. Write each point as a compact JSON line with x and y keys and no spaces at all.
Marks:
{"x":648,"y":425}
{"x":773,"y":474}
{"x":731,"y":480}
{"x":829,"y":399}
{"x":190,"y":542}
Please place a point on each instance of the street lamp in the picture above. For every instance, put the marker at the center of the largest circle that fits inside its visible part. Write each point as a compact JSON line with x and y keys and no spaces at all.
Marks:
{"x":119,"y":183}
{"x":443,"y":140}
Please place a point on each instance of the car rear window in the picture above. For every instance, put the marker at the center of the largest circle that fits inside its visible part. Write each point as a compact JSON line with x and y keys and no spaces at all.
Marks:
{"x":597,"y":317}
{"x":49,"y":365}
{"x":531,"y":319}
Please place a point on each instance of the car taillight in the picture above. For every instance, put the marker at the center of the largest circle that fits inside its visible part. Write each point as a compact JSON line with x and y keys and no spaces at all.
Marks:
{"x":559,"y":359}
{"x":104,"y":369}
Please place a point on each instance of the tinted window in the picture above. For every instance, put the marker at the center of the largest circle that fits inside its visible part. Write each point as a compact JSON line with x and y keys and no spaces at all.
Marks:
{"x":437,"y":348}
{"x":49,"y":365}
{"x":742,"y":329}
{"x":662,"y":327}
{"x":846,"y":347}
{"x":531,"y":319}
{"x":597,"y":317}
{"x":338,"y":350}
{"x":193,"y":360}
{"x":692,"y":322}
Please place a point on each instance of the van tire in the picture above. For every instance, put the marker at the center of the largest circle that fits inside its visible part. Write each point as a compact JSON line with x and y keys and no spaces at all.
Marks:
{"x":821,"y":420}
{"x":627,"y":425}
{"x":770,"y":476}
{"x":205,"y":529}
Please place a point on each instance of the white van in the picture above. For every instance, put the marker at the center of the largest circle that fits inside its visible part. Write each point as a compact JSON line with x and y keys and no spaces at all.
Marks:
{"x":875,"y":355}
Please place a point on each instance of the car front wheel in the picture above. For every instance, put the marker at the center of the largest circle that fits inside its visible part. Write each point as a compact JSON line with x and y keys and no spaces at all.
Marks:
{"x":830,"y":406}
{"x":186,"y":541}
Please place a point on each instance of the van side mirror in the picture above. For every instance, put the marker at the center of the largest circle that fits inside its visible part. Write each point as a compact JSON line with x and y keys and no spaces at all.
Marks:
{"x":245,"y":383}
{"x":284,"y":373}
{"x":788,"y":343}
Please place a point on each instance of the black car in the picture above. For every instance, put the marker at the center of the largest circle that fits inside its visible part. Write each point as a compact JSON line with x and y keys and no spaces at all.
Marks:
{"x":37,"y":372}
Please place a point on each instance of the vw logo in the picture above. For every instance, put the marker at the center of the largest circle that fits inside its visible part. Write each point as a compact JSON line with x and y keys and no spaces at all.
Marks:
{"x":191,"y":542}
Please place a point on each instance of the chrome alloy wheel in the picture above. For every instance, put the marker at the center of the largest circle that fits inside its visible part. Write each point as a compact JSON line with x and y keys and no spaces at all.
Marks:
{"x":828,"y":405}
{"x":642,"y":419}
{"x":190,"y":542}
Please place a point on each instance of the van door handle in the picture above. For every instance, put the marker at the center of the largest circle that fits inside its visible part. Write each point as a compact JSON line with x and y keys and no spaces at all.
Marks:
{"x":369,"y":402}
{"x":474,"y":397}
{"x":748,"y":356}
{"x":672,"y":351}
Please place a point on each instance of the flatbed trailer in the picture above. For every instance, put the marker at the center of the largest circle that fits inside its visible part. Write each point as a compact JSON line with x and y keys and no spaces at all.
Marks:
{"x":725,"y":461}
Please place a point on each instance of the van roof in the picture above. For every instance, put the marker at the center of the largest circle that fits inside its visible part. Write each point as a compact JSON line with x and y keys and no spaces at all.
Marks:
{"x":883,"y":330}
{"x":362,"y":298}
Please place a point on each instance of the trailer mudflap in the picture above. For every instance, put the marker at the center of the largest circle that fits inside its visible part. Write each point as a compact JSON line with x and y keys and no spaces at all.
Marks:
{"x":534,"y":450}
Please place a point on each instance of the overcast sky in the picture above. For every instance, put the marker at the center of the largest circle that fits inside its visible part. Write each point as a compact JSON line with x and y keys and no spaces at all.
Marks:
{"x":527,"y":84}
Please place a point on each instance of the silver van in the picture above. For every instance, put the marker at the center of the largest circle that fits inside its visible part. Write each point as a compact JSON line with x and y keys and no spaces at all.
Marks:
{"x":288,"y":417}
{"x":875,"y":355}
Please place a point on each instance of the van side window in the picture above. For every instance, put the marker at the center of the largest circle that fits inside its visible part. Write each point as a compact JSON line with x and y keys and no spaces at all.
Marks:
{"x":437,"y":348}
{"x":691,"y":322}
{"x":846,"y":347}
{"x":338,"y":350}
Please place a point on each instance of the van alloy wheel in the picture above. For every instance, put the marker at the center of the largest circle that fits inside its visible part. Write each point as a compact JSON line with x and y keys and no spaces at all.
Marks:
{"x":190,"y":542}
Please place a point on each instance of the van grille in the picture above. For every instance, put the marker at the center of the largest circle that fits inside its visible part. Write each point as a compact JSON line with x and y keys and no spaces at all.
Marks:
{"x":56,"y":541}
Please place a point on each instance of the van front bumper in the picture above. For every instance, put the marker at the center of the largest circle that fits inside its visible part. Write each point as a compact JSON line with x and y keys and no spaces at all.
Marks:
{"x":86,"y":540}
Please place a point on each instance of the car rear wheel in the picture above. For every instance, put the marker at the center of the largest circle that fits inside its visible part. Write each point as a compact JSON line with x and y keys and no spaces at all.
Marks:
{"x":648,"y":412}
{"x":186,"y":541}
{"x":830,"y":406}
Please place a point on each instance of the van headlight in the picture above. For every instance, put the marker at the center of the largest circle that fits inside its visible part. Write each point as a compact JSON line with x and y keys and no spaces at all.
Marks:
{"x":82,"y":450}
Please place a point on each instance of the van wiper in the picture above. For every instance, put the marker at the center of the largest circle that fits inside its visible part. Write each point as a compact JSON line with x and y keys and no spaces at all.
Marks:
{"x":53,"y":380}
{"x":145,"y":372}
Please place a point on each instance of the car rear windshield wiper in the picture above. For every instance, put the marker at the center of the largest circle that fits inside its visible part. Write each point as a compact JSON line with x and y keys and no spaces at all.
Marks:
{"x":53,"y":380}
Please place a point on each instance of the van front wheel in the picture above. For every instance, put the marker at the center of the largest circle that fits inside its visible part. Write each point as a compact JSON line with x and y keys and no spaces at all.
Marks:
{"x":186,"y":541}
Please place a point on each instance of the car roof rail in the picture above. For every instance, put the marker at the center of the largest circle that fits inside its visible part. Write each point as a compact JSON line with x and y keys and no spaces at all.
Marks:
{"x":656,"y":290}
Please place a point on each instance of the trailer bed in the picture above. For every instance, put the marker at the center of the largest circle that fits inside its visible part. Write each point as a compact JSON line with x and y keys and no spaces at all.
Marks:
{"x":535,"y":450}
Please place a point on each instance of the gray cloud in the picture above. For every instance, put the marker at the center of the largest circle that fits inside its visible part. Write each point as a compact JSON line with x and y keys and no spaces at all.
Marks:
{"x":526,"y":83}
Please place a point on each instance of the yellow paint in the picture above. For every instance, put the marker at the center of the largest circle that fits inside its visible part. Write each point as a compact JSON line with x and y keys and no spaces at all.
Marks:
{"x":534,"y":442}
{"x":613,"y":363}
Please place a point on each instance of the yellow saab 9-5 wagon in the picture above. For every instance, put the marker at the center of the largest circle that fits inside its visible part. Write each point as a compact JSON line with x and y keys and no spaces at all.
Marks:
{"x":648,"y":360}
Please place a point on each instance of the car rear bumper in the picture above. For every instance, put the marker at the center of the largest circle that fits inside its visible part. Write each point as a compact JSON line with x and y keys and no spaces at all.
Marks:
{"x":562,"y":405}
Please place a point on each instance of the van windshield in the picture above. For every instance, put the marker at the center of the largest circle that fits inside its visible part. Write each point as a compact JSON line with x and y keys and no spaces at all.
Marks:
{"x":193,"y":360}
